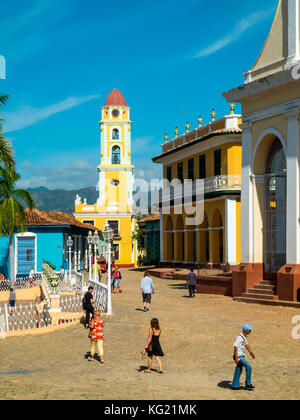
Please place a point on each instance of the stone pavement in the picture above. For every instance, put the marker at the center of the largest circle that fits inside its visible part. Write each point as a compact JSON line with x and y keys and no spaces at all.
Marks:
{"x":197,"y":338}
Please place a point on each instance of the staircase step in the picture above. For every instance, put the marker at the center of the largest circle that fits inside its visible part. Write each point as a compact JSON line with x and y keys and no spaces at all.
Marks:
{"x":168,"y":277}
{"x":260,"y":296}
{"x":269,"y":282}
{"x":270,"y":292}
{"x":265,"y":287}
{"x":268,"y":302}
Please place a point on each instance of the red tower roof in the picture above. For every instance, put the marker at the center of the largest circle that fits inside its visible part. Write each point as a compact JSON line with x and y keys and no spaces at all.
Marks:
{"x":115,"y":98}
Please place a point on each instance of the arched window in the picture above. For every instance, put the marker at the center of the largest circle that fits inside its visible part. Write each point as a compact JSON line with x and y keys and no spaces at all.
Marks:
{"x":276,"y":161}
{"x":116,"y":155}
{"x":115,"y":134}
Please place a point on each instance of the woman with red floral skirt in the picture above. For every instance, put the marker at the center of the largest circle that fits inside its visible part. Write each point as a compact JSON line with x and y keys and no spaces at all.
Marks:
{"x":97,"y":336}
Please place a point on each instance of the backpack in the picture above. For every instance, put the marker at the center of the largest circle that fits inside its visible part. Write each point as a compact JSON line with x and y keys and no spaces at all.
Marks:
{"x":84,"y":305}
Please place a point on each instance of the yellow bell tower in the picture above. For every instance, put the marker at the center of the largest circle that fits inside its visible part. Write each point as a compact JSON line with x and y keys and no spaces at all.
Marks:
{"x":116,"y":179}
{"x":116,"y":174}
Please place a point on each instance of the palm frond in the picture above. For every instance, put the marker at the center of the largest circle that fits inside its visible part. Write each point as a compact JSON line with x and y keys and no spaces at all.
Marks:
{"x":24,"y":196}
{"x":3,"y":99}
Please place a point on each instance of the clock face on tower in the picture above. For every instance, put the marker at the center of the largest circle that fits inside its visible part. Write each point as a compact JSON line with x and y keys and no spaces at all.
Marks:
{"x":115,"y":113}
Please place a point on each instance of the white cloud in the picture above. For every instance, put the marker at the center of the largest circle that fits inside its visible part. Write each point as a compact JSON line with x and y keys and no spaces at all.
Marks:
{"x":26,"y":116}
{"x":240,"y":28}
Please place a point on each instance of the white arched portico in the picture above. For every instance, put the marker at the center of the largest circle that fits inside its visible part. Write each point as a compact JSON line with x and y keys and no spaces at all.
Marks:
{"x":268,"y":169}
{"x":271,"y":155}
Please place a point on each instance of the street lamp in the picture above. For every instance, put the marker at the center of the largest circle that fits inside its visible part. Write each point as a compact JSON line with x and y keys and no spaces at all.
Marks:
{"x":108,"y":236}
{"x":96,"y":244}
{"x":69,"y":245}
{"x":90,"y":242}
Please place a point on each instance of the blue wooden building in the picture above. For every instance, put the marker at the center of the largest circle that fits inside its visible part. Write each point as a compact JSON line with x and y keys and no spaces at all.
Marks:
{"x":46,"y":239}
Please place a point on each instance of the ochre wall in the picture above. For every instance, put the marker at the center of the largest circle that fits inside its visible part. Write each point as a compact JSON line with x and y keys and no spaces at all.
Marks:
{"x":30,"y":294}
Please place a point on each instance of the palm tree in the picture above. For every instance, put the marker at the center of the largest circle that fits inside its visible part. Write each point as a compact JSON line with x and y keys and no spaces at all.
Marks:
{"x":12,"y":212}
{"x":6,"y":151}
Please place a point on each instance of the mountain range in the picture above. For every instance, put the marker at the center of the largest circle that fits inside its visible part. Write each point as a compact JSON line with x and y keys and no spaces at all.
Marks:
{"x":64,"y":200}
{"x":61,"y":200}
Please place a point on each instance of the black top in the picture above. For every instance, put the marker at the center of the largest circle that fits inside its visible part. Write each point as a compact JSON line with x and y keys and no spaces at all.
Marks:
{"x":88,"y":297}
{"x":156,"y":347}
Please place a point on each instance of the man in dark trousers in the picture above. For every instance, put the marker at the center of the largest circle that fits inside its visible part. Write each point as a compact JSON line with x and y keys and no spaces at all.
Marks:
{"x":88,"y":302}
{"x":191,"y":282}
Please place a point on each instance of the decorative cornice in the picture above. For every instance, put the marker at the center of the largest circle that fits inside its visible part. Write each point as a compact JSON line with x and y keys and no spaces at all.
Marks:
{"x":259,"y":86}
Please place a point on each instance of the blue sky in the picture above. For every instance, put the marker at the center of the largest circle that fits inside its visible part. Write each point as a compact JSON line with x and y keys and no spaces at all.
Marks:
{"x":171,"y":59}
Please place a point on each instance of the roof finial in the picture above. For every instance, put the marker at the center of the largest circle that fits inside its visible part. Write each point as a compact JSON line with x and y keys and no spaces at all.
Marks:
{"x":187,"y":126}
{"x":213,"y":115}
{"x":166,"y":137}
{"x":232,"y":108}
{"x":200,"y":120}
{"x":176,"y":132}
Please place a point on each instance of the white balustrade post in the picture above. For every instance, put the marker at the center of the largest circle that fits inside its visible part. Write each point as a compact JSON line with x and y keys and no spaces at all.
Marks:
{"x":70,"y":264}
{"x":95,"y":265}
{"x":109,"y":304}
{"x":90,"y":264}
{"x":79,"y":261}
{"x":6,"y":317}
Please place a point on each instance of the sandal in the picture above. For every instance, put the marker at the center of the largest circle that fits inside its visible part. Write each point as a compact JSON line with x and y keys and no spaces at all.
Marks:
{"x":91,"y":359}
{"x":147,"y":371}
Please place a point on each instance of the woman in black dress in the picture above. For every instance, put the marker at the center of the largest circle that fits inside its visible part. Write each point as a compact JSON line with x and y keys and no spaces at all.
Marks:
{"x":153,"y":347}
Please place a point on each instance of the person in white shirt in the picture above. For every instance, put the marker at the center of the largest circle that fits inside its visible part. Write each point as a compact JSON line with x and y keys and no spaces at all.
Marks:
{"x":31,"y":276}
{"x":146,"y":288}
{"x":240,"y":347}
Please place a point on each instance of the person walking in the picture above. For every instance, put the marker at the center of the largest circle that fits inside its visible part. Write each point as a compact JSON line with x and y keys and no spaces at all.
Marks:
{"x":117,"y":277}
{"x":88,"y":302}
{"x":31,"y":277}
{"x":146,"y":288}
{"x":153,"y":347}
{"x":191,"y":283}
{"x":97,"y":337}
{"x":240,"y":347}
{"x":12,"y":301}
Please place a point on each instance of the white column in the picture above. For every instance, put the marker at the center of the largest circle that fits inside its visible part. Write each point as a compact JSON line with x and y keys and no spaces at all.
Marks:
{"x":90,"y":262}
{"x":161,"y":237}
{"x":230,"y":230}
{"x":293,"y":32}
{"x":246,"y":198}
{"x":292,"y":217}
{"x":75,"y":253}
{"x":109,"y":304}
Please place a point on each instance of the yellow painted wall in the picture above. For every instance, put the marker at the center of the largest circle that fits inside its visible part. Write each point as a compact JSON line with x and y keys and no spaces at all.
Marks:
{"x":276,"y":97}
{"x":124,"y":228}
{"x":212,"y":210}
{"x":30,"y":294}
{"x":275,"y":45}
{"x":231,"y":161}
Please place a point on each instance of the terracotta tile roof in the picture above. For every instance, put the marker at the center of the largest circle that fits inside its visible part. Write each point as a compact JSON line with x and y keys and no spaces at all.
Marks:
{"x":52,"y":218}
{"x":234,"y":130}
{"x":115,"y":98}
{"x":152,"y":218}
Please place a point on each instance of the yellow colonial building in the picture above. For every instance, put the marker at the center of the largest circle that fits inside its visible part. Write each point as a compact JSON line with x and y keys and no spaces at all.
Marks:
{"x":211,"y":153}
{"x":116,"y":179}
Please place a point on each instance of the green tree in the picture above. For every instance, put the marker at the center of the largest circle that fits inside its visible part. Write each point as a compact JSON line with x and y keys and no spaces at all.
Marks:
{"x":12,"y":211}
{"x":139,"y":236}
{"x":7,"y":159}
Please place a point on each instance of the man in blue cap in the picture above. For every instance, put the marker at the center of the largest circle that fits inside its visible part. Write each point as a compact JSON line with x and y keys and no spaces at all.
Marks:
{"x":240,"y":346}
